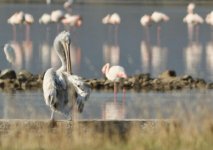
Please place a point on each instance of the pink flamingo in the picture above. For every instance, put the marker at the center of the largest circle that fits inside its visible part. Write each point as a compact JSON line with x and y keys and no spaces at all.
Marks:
{"x":113,"y":19}
{"x":114,"y":73}
{"x":146,"y":22}
{"x":28,"y":20}
{"x":159,"y":17}
{"x":15,"y":19}
{"x":72,"y":20}
{"x":56,"y":17}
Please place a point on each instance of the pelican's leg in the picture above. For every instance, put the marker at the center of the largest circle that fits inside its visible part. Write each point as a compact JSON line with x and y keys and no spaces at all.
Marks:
{"x":52,"y":115}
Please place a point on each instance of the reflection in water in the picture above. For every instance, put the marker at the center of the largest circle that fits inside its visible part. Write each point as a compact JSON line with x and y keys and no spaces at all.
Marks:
{"x":111,"y":53}
{"x":209,"y":60}
{"x":75,"y":53}
{"x":192,"y":55}
{"x":153,"y":58}
{"x":113,"y":111}
{"x":28,"y":53}
{"x":146,"y":56}
{"x":19,"y":57}
{"x":44,"y":55}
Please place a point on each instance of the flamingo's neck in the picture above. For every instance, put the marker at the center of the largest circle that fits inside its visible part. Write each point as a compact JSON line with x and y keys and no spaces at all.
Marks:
{"x":105,"y":69}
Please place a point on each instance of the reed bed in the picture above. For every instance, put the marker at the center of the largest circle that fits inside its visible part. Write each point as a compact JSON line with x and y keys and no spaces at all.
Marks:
{"x":172,"y":135}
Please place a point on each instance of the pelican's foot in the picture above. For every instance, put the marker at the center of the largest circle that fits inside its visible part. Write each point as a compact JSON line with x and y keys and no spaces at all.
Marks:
{"x":52,"y":123}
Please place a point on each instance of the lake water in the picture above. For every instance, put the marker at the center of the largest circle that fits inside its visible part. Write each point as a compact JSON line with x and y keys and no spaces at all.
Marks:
{"x":94,"y":44}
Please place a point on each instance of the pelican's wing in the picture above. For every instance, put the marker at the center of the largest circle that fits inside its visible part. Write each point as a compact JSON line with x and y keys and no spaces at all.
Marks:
{"x":82,"y":89}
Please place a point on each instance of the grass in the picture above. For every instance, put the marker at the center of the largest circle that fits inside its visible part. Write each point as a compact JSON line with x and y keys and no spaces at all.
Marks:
{"x":189,"y":135}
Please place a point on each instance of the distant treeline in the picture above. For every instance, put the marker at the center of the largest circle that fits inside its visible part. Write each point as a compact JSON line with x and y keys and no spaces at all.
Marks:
{"x":111,"y":1}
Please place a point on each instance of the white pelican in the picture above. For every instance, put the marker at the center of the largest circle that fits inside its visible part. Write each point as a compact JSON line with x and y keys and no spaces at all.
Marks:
{"x":114,"y":73}
{"x":62,"y":89}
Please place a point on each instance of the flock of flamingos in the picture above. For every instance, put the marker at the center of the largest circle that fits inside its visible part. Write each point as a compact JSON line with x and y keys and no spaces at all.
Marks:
{"x":58,"y":83}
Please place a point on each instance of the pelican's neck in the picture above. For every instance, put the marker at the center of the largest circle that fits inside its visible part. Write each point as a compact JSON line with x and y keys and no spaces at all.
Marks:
{"x":61,"y":54}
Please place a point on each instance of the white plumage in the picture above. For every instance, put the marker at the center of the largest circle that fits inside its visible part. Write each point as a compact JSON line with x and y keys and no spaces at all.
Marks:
{"x":45,"y":19}
{"x":158,"y":17}
{"x":62,"y":90}
{"x":9,"y":53}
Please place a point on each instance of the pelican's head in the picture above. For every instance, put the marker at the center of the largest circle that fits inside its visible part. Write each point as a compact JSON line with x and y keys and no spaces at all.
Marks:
{"x":62,"y":46}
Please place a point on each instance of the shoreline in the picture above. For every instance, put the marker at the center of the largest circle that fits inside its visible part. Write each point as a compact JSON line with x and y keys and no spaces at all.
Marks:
{"x":166,"y":81}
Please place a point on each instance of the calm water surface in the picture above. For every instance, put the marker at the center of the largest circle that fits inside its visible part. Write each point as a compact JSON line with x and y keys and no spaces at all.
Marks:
{"x":95,"y":44}
{"x":30,"y":105}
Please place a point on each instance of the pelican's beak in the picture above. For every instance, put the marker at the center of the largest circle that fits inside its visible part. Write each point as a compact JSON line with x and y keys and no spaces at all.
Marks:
{"x":68,"y":58}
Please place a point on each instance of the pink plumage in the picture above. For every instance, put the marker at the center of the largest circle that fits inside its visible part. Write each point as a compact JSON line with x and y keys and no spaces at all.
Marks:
{"x":114,"y":73}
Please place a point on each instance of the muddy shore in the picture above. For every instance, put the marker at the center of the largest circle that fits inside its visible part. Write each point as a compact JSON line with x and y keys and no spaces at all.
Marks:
{"x":166,"y":81}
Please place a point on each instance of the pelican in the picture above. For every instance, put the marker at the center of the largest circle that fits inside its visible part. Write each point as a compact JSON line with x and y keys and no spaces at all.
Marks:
{"x":61,"y":88}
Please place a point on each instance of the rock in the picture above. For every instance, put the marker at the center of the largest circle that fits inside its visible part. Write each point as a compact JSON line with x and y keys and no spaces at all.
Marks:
{"x":167,"y":74}
{"x":8,"y":74}
{"x":24,"y":76}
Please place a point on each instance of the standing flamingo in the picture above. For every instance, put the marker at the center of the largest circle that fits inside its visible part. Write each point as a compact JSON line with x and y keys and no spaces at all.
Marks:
{"x":114,"y":73}
{"x":72,"y":20}
{"x":28,"y":20}
{"x":159,"y":17}
{"x":113,"y":19}
{"x":15,"y":19}
{"x":68,"y":5}
{"x":46,"y":20}
{"x":193,"y":20}
{"x":9,"y":53}
{"x":56,"y":17}
{"x":61,"y":88}
{"x":146,"y":23}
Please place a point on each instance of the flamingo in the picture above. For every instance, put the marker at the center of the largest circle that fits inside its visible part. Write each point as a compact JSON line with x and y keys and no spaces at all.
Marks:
{"x":193,"y":20}
{"x":61,"y":88}
{"x":146,"y":22}
{"x":56,"y":17}
{"x":46,"y":19}
{"x":159,"y":17}
{"x":114,"y":73}
{"x":15,"y":19}
{"x":113,"y":19}
{"x":209,"y":20}
{"x":190,"y":8}
{"x":9,"y":53}
{"x":28,"y":20}
{"x":68,"y":5}
{"x":72,"y":20}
